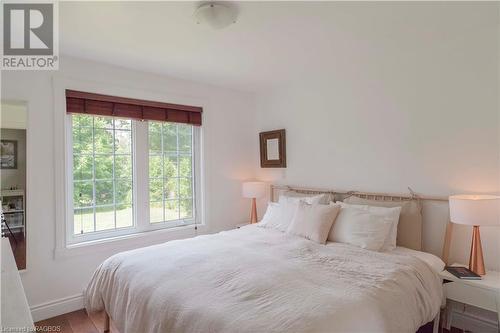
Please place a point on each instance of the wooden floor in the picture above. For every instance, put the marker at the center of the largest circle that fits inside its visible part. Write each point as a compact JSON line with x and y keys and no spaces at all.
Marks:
{"x":18,"y":249}
{"x":80,"y":322}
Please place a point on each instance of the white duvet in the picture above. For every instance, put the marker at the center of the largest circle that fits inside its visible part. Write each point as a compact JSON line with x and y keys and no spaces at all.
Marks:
{"x":261,"y":280}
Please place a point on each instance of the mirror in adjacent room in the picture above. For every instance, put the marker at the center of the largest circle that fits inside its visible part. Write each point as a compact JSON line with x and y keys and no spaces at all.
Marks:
{"x":273,"y":149}
{"x":13,"y":123}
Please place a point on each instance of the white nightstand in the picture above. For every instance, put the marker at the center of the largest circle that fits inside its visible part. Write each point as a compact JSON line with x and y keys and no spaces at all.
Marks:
{"x":484,"y":294}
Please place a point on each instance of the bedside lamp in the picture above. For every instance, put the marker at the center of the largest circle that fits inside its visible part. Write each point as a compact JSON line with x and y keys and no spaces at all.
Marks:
{"x":253,"y":190}
{"x":475,"y":210}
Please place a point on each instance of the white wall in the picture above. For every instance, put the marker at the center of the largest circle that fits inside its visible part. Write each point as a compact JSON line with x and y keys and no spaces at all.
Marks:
{"x":402,"y":102}
{"x":55,"y":285}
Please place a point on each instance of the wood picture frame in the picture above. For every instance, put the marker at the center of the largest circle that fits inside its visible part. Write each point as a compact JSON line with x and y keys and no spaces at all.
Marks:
{"x":8,"y":154}
{"x":273,"y":149}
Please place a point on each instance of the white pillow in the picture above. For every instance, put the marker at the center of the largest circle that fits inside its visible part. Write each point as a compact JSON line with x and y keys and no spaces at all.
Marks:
{"x":294,"y":197}
{"x":271,"y":216}
{"x":313,"y":221}
{"x":361,"y":228}
{"x":388,"y":214}
{"x":278,"y":216}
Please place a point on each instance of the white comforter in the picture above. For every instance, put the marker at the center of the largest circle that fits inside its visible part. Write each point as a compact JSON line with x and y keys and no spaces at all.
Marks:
{"x":261,"y":280}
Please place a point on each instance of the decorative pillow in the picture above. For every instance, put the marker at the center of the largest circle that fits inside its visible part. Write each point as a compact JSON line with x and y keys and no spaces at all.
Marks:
{"x":361,"y":228}
{"x":410,"y":220}
{"x":311,"y":199}
{"x":278,"y":215}
{"x":271,"y":216}
{"x":347,"y":213}
{"x":313,"y":221}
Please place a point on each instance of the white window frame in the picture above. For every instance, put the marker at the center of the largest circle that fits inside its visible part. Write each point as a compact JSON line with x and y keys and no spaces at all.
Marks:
{"x":168,"y":93}
{"x":185,"y":221}
{"x":140,"y":187}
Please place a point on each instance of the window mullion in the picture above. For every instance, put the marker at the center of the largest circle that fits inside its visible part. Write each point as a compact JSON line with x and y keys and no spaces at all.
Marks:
{"x":93,"y":175}
{"x":178,"y":171}
{"x":113,"y":173}
{"x":141,"y":174}
{"x":163,"y":185}
{"x":196,"y":173}
{"x":193,"y":170}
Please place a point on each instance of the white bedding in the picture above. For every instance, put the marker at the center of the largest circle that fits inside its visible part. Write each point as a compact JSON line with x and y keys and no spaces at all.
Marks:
{"x":261,"y":280}
{"x":436,"y":263}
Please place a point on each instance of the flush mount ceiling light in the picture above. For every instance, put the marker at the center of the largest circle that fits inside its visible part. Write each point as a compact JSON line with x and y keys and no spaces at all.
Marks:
{"x":215,"y":15}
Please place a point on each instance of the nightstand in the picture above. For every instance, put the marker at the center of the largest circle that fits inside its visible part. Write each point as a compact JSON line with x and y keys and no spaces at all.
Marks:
{"x":484,"y":294}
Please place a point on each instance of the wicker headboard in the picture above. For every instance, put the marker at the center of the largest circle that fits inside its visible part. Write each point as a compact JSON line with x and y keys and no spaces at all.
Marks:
{"x":276,"y":190}
{"x":412,"y":233}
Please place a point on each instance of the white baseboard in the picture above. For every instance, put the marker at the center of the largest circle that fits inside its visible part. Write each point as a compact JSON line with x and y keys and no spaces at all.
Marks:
{"x":57,"y":307}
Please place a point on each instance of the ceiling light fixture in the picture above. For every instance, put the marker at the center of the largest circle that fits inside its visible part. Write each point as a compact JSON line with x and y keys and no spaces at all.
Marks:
{"x":215,"y":15}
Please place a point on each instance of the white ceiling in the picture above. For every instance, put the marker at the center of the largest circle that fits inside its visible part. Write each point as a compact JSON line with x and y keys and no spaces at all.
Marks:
{"x":272,"y":44}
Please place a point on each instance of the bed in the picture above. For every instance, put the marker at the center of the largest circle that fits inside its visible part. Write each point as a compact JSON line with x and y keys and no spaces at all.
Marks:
{"x":254,"y":279}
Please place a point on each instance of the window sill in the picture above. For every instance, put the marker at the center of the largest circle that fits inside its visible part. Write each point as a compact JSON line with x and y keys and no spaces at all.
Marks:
{"x":117,"y":244}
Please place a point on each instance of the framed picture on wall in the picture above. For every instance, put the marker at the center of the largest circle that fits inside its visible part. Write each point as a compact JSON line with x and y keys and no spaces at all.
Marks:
{"x":8,"y":154}
{"x":273,"y":149}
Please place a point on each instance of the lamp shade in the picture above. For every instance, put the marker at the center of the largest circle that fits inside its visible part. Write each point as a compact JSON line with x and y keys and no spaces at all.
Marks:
{"x":253,"y":189}
{"x":475,"y":209}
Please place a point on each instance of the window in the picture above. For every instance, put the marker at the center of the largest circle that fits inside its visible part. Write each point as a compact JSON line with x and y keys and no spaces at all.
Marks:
{"x":170,"y":172}
{"x":102,"y":173}
{"x":112,"y":174}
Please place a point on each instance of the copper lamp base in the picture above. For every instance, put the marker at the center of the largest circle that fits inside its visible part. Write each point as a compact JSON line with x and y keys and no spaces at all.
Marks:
{"x":253,"y":213}
{"x":476,"y":262}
